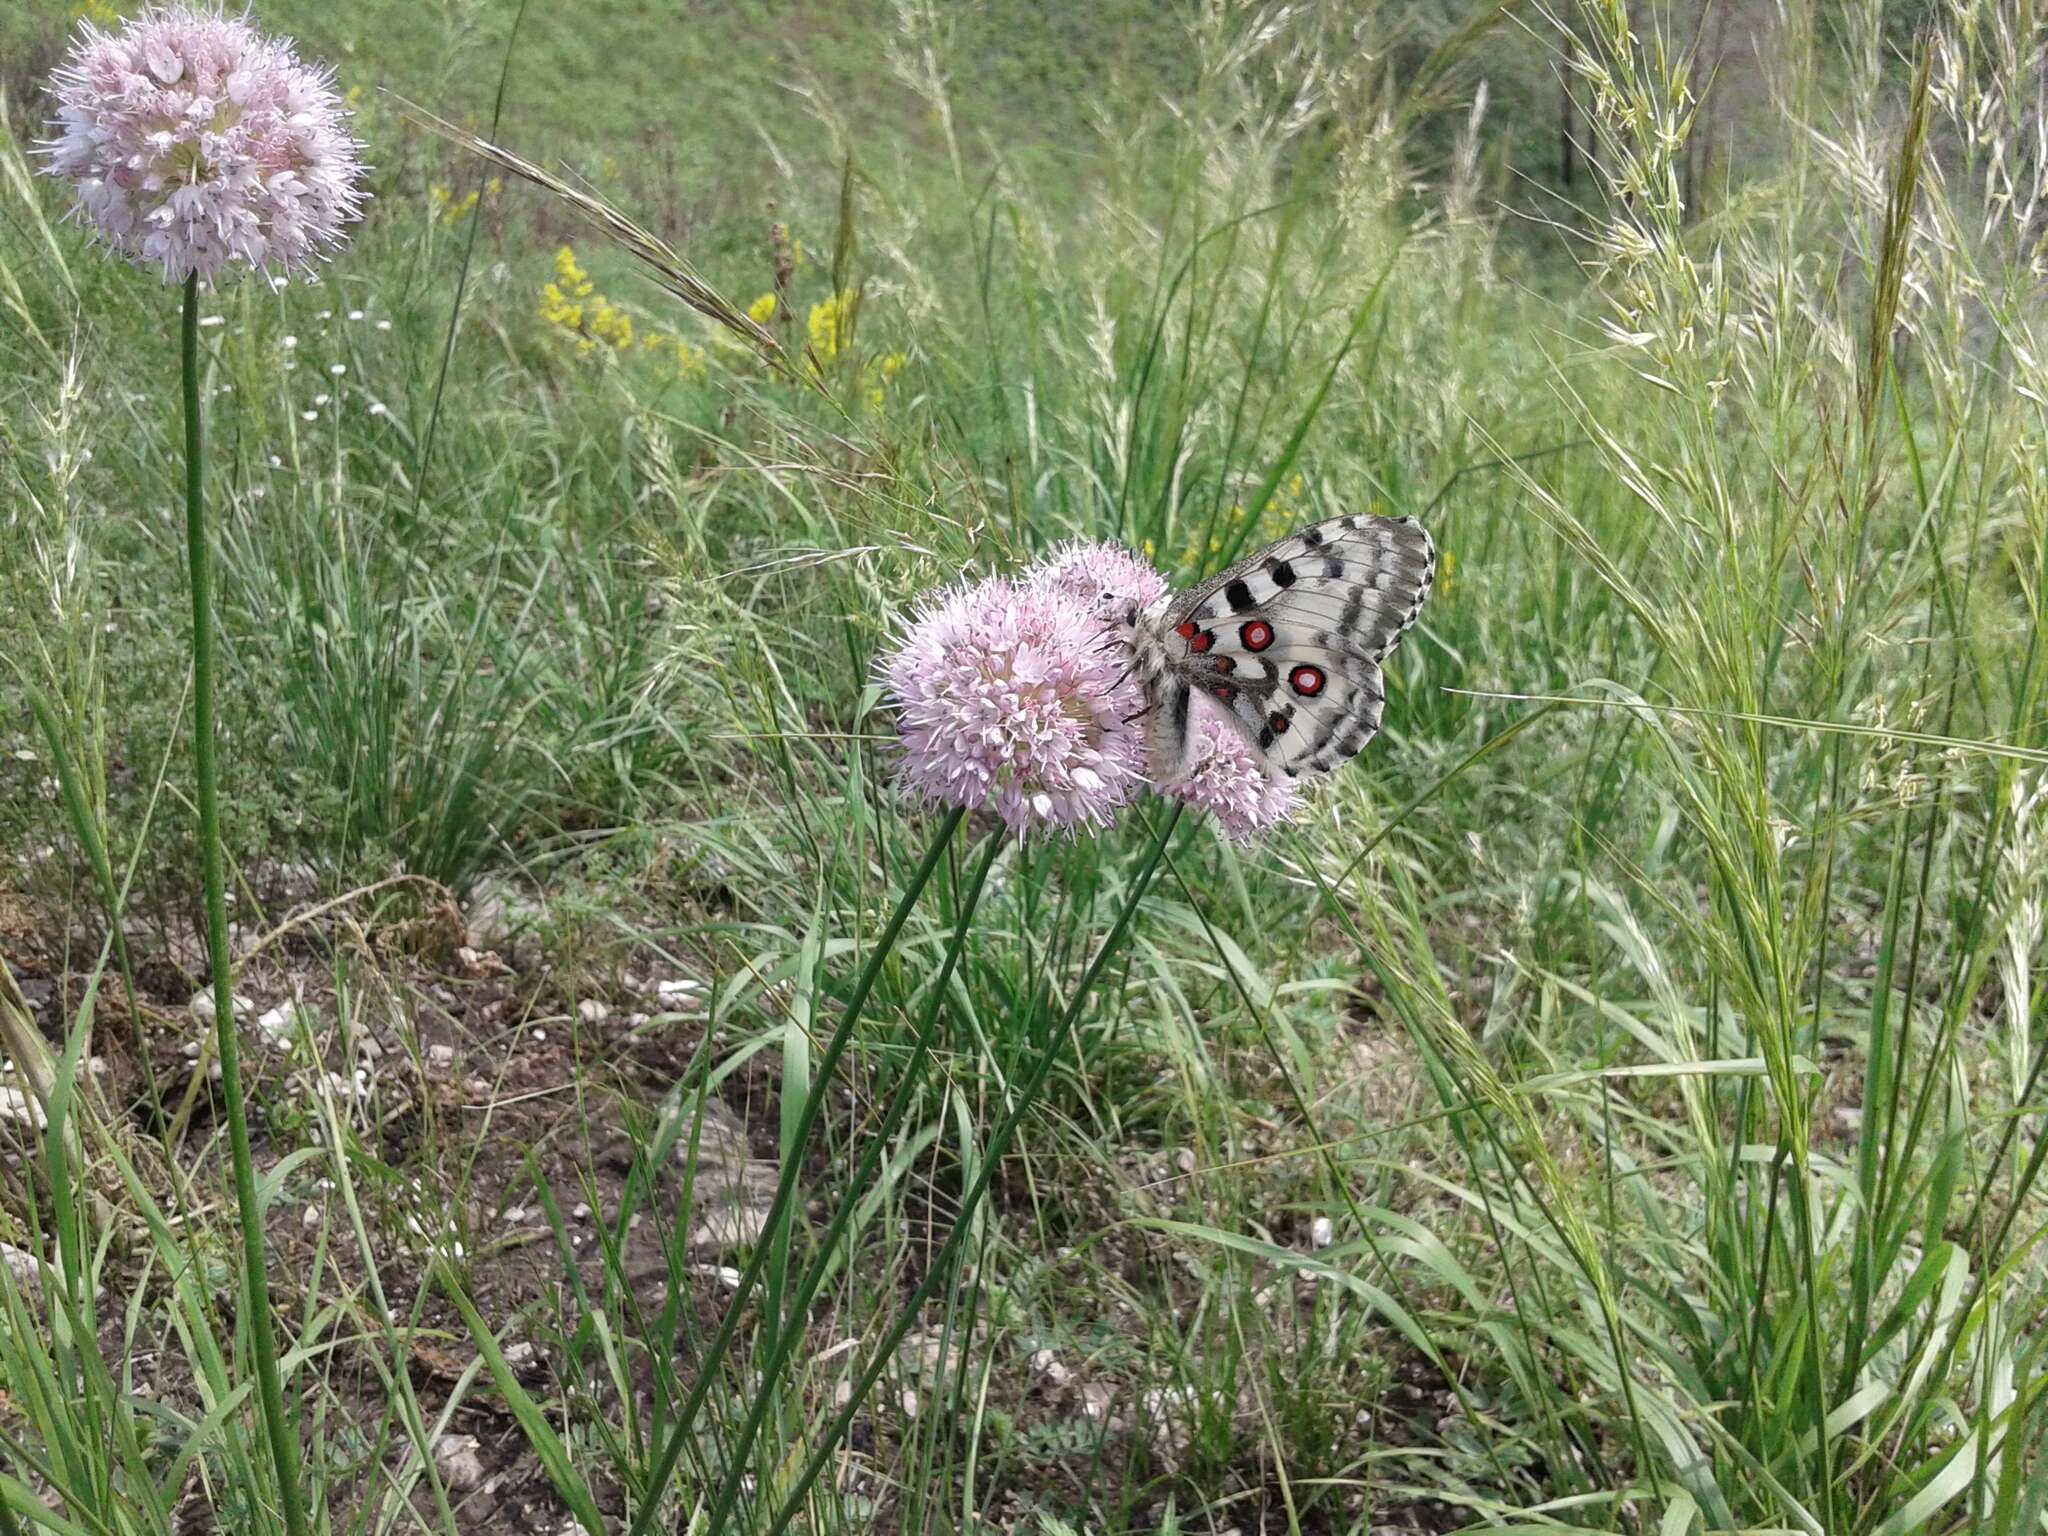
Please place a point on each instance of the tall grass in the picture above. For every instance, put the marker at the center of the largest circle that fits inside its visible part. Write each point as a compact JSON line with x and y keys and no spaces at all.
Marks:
{"x":1617,"y":1107}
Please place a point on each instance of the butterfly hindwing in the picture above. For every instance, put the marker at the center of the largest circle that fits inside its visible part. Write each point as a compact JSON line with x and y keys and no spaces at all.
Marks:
{"x":1290,"y":641}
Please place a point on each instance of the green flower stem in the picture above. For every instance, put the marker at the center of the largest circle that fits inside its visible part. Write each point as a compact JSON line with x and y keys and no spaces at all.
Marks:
{"x":284,"y":1450}
{"x":791,"y":1326}
{"x":721,"y":1341}
{"x":991,"y":1158}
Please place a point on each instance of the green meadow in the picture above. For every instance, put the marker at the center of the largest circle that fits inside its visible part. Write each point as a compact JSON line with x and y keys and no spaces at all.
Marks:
{"x":1619,"y":1101}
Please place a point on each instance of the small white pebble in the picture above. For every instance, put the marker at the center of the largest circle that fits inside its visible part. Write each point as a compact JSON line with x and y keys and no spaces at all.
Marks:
{"x":581,"y":1213}
{"x":514,"y":1214}
{"x":1321,"y":1232}
{"x":311,"y":1219}
{"x":337,"y":369}
{"x":210,"y":321}
{"x":290,"y":342}
{"x":309,"y":415}
{"x":591,"y":1011}
{"x":325,"y":314}
{"x":540,"y":1034}
{"x":355,"y":314}
{"x":322,"y":399}
{"x":383,"y":325}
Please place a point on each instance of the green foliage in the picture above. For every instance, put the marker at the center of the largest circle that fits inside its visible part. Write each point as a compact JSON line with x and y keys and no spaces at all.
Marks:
{"x":1617,"y":1114}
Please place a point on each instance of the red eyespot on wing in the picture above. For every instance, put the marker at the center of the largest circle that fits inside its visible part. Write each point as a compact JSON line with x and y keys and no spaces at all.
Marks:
{"x":1202,"y":642}
{"x":1224,"y":664}
{"x":1186,"y":631}
{"x":1276,"y":722}
{"x":1256,"y":635}
{"x":1306,"y":681}
{"x":1226,"y":693}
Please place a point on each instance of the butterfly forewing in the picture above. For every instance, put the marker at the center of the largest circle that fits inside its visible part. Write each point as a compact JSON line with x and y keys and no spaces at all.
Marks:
{"x":1290,"y":641}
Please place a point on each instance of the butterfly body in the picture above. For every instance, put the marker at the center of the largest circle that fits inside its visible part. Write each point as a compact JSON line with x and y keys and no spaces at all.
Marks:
{"x":1288,"y":642}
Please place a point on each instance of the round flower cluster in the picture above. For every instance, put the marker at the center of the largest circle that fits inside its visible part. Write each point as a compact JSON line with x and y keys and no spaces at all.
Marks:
{"x":1007,"y":692}
{"x":193,"y":141}
{"x":1093,"y":571}
{"x":1227,"y":780}
{"x":1022,"y":693}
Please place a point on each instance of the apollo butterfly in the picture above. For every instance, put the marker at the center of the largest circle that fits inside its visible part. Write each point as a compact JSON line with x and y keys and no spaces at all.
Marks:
{"x":1289,"y":642}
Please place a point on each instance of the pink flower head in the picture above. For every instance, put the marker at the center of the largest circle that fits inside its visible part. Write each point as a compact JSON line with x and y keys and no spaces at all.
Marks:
{"x":1227,"y":780}
{"x":1094,"y":571}
{"x":1009,"y":692}
{"x":193,"y":141}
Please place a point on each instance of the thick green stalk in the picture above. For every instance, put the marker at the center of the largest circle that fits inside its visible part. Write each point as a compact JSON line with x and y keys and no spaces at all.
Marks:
{"x":284,"y":1450}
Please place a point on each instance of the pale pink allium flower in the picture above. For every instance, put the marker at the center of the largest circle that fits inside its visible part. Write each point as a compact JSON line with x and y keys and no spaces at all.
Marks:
{"x":1093,"y":571}
{"x":193,"y":141}
{"x":1009,"y":694}
{"x":1226,"y":780}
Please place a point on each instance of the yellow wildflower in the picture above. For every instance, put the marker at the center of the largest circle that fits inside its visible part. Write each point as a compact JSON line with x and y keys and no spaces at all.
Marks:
{"x":609,"y":323}
{"x":1151,"y":550}
{"x":874,"y":397}
{"x":557,"y":308}
{"x":762,"y":310}
{"x":892,"y":364}
{"x":689,"y":361}
{"x":572,"y":302}
{"x":450,"y":209}
{"x":827,"y":320}
{"x":575,"y":277}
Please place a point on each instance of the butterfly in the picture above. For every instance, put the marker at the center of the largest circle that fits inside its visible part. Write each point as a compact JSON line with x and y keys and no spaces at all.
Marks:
{"x":1289,"y":642}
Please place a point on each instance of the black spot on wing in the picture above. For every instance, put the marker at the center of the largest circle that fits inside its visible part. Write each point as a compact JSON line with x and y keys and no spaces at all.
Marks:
{"x":1333,"y":568}
{"x":1239,"y":596}
{"x":1281,"y":572}
{"x":1312,"y":537}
